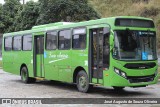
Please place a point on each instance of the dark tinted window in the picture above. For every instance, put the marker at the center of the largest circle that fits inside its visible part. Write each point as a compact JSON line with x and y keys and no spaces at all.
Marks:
{"x":134,"y":23}
{"x":27,"y":42}
{"x":39,"y":45}
{"x":17,"y":43}
{"x":8,"y":43}
{"x":51,"y":40}
{"x":64,"y":39}
{"x":106,"y":47}
{"x":79,"y":38}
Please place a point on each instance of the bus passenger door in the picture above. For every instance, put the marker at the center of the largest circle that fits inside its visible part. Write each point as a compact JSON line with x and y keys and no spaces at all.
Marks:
{"x":99,"y":57}
{"x":38,"y":61}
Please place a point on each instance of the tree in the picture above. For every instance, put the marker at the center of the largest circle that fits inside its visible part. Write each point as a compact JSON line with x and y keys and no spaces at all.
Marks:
{"x":27,"y":17}
{"x":1,"y":20}
{"x":9,"y":12}
{"x":16,"y":17}
{"x":65,"y":10}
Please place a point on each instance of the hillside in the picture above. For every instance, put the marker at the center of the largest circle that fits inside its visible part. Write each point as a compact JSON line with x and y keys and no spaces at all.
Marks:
{"x":145,"y":8}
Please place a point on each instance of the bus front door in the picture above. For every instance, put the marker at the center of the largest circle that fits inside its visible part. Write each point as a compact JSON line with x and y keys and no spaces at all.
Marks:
{"x":99,"y":41}
{"x":38,"y":56}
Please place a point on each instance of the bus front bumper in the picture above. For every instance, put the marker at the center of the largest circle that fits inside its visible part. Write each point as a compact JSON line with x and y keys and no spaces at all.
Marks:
{"x":117,"y":80}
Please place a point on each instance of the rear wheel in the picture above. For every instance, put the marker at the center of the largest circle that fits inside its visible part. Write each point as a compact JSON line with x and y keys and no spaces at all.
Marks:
{"x":82,"y":81}
{"x":25,"y":77}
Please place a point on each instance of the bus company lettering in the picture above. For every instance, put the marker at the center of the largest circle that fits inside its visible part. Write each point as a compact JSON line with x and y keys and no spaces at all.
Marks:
{"x":59,"y":57}
{"x":62,"y":55}
{"x":52,"y":56}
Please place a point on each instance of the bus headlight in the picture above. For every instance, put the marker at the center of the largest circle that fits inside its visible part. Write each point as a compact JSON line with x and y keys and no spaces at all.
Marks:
{"x":123,"y":74}
{"x":119,"y":72}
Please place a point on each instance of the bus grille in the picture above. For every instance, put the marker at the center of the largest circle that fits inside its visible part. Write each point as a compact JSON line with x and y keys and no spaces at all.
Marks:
{"x":140,"y":65}
{"x":133,"y":79}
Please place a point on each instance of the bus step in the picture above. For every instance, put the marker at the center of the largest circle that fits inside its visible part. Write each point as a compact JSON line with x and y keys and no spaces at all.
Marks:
{"x":98,"y":84}
{"x":38,"y":78}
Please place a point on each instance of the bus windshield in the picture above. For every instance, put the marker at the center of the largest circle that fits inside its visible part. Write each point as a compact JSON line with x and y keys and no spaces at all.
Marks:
{"x":134,"y":45}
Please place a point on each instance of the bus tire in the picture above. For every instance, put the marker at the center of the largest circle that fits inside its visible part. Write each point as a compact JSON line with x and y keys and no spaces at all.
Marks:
{"x":25,"y":77}
{"x":118,"y":88}
{"x":82,"y":82}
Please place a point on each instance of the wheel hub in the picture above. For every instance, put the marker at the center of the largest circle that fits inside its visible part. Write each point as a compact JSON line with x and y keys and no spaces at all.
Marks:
{"x":24,"y":76}
{"x":82,"y":81}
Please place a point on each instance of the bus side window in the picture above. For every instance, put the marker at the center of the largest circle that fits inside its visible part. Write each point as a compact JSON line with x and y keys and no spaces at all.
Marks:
{"x":8,"y":43}
{"x":17,"y":43}
{"x":27,"y":42}
{"x":64,"y":42}
{"x":79,"y":38}
{"x":51,"y":40}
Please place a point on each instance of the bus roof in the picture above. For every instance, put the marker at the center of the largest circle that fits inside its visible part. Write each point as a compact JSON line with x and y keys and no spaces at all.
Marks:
{"x":50,"y":26}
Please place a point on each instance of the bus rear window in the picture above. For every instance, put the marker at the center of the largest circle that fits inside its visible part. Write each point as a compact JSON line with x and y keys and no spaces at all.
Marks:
{"x":8,"y":43}
{"x":134,"y":23}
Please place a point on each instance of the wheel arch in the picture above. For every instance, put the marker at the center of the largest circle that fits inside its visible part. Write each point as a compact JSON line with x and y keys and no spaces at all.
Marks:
{"x":22,"y":65}
{"x":77,"y":69}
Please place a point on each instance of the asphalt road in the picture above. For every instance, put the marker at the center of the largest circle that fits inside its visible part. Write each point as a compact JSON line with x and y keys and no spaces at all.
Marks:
{"x":12,"y":87}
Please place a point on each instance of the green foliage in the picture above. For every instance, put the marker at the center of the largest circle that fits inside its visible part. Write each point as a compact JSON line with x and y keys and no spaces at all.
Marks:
{"x":27,"y":18}
{"x":1,"y":20}
{"x":9,"y":11}
{"x":65,"y":10}
{"x":15,"y":17}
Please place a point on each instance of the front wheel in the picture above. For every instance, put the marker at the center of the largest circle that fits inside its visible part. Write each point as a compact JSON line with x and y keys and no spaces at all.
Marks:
{"x":25,"y":77}
{"x":82,"y":81}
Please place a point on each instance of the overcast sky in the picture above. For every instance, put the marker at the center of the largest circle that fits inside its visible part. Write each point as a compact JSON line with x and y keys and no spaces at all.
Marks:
{"x":2,"y":1}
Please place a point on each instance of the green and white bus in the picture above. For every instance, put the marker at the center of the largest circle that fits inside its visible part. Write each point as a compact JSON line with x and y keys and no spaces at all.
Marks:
{"x":111,"y":52}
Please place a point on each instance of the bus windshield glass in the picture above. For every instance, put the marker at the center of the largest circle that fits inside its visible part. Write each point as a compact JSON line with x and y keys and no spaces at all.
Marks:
{"x":134,"y":45}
